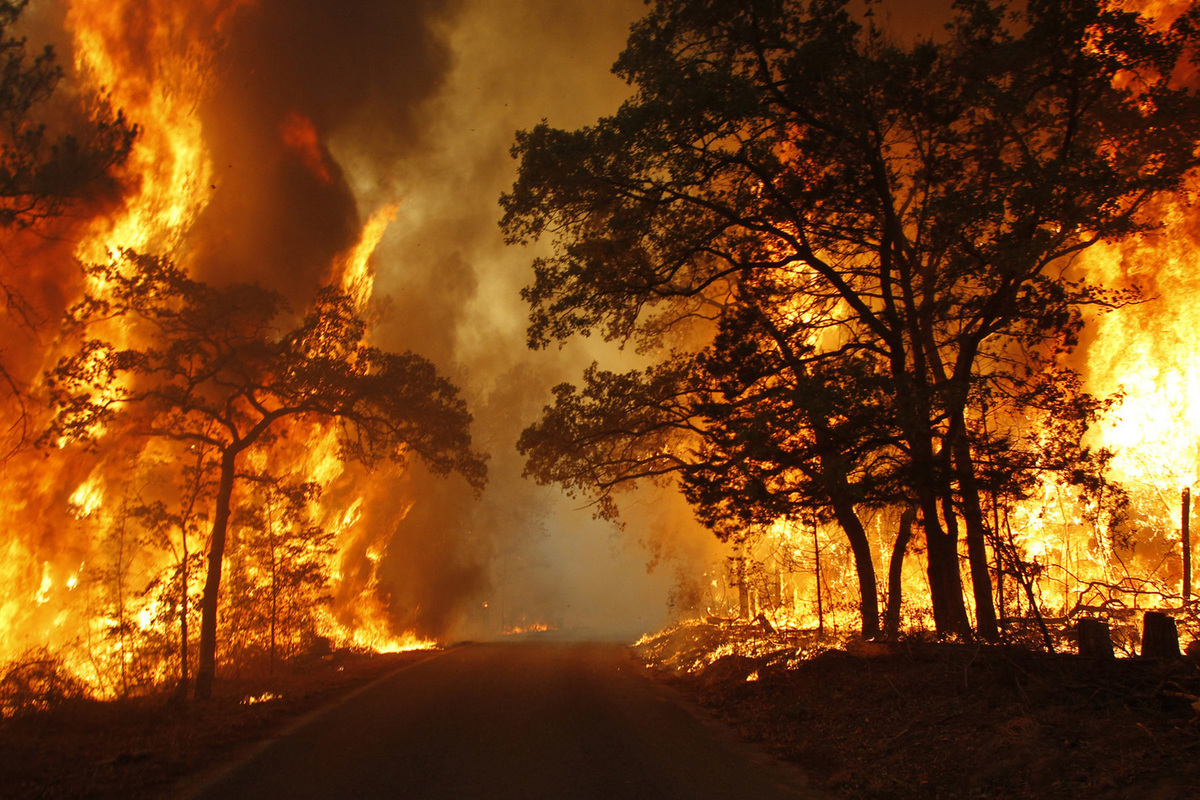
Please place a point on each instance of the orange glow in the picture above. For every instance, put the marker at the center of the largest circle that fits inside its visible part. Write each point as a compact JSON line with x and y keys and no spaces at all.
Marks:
{"x":356,"y":278}
{"x":300,"y":136}
{"x":83,"y":574}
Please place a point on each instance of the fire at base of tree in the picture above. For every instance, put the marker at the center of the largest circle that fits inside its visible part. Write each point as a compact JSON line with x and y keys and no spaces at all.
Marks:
{"x":915,"y":310}
{"x":798,"y":580}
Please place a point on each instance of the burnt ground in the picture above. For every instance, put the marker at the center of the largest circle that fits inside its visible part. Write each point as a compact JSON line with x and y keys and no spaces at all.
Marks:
{"x":143,"y":747}
{"x":916,"y":720}
{"x":922,"y":720}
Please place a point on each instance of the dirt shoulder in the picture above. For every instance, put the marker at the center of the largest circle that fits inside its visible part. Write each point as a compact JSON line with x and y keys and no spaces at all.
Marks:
{"x":144,"y":747}
{"x":954,"y":721}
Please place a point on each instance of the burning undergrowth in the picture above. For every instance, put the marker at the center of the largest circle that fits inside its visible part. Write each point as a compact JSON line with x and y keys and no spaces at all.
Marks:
{"x":693,"y":646}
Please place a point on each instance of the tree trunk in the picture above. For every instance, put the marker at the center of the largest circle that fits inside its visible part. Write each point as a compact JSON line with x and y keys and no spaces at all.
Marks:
{"x":972,"y":511}
{"x":817,"y":572}
{"x":1160,"y":637}
{"x":206,"y":669}
{"x":1186,"y":530}
{"x":183,"y":619}
{"x":274,"y":581}
{"x":1095,"y":640}
{"x":860,"y":546}
{"x":891,"y":620}
{"x":743,"y":588}
{"x":945,"y":581}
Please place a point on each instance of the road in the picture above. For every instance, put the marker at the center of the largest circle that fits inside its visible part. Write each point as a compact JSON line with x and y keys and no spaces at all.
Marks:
{"x":524,"y":721}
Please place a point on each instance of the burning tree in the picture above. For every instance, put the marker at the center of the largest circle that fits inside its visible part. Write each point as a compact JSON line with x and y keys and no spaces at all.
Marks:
{"x":52,"y":158}
{"x":882,"y":238}
{"x":212,"y":367}
{"x":283,"y":544}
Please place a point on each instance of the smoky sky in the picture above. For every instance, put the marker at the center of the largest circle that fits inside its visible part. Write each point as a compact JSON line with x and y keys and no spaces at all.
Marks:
{"x":324,"y":63}
{"x":417,"y":103}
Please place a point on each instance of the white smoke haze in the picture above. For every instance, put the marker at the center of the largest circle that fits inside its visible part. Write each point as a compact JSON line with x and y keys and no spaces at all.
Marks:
{"x":454,"y":288}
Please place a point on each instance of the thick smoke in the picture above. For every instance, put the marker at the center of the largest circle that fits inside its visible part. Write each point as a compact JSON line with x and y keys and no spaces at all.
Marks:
{"x":289,"y":74}
{"x":455,"y":287}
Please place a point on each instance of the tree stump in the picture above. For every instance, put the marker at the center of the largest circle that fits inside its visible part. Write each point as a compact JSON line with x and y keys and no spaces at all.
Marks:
{"x":1095,"y":641}
{"x":1160,"y":638}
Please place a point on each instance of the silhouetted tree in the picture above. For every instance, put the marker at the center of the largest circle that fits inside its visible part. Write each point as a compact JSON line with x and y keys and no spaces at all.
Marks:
{"x":173,"y":527}
{"x":286,"y":563}
{"x":226,"y":368}
{"x":900,"y":216}
{"x":51,"y":159}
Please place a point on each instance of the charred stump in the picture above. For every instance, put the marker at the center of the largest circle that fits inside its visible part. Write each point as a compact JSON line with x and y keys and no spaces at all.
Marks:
{"x":1095,"y":640}
{"x":1160,"y":638}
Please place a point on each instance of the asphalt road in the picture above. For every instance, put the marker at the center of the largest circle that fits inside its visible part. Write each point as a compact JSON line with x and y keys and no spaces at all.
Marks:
{"x":519,"y":720}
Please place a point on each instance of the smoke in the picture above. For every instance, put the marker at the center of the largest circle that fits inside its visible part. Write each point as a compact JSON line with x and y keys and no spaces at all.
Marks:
{"x":319,"y":113}
{"x":455,"y":288}
{"x":288,"y":75}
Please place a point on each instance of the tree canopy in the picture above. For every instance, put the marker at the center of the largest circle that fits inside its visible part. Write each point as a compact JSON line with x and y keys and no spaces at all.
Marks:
{"x":878,"y":237}
{"x":163,"y":355}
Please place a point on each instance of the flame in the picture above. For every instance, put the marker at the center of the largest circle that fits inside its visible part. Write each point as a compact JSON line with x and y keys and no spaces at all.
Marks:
{"x":88,"y":498}
{"x":77,"y":577}
{"x":154,"y":60}
{"x":357,"y":281}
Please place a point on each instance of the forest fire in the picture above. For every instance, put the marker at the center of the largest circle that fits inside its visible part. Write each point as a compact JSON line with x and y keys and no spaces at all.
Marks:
{"x":108,"y":527}
{"x":842,"y":352}
{"x":104,"y":548}
{"x":1141,"y":352}
{"x":875,"y":413}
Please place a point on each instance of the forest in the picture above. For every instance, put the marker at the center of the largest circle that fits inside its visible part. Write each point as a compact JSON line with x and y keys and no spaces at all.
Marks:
{"x":861,"y":272}
{"x":899,"y":306}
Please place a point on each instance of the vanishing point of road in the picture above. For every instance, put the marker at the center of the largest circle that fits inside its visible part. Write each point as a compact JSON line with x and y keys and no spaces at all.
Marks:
{"x":519,"y":721}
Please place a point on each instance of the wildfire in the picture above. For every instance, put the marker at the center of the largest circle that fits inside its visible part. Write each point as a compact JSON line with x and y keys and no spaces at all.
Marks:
{"x":154,"y":60}
{"x":356,"y":278}
{"x":104,"y":551}
{"x":95,"y":572}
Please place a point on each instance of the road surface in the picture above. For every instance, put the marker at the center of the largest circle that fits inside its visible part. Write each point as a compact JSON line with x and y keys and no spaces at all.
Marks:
{"x":525,"y":721}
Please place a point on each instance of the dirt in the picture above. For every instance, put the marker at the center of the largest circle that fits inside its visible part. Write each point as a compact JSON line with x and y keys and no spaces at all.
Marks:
{"x":144,"y":747}
{"x":926,"y":720}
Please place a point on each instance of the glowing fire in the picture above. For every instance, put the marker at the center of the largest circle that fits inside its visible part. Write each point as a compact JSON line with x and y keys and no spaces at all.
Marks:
{"x":88,"y":572}
{"x":1148,"y":353}
{"x":85,"y":575}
